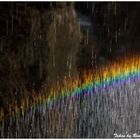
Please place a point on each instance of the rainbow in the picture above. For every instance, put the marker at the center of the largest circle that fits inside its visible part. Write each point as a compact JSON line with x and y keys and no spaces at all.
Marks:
{"x":123,"y":71}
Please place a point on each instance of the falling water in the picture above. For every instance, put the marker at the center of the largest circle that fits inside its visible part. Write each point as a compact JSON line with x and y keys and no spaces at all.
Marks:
{"x":101,"y":106}
{"x":100,"y":102}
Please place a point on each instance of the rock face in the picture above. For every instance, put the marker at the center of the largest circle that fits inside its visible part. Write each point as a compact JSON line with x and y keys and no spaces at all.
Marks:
{"x":23,"y":51}
{"x":35,"y":43}
{"x":116,"y":26}
{"x":63,"y":39}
